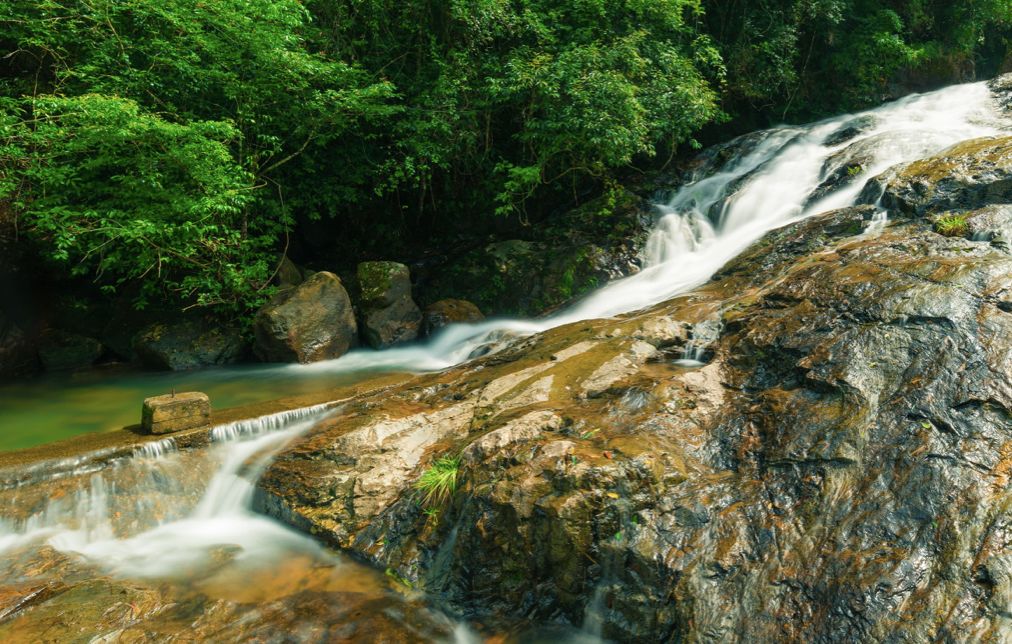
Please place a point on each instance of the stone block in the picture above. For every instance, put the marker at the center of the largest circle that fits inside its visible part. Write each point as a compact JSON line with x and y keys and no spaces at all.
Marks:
{"x":175,"y":412}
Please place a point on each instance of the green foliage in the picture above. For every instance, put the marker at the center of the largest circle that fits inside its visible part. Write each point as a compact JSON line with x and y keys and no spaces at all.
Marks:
{"x":438,"y":483}
{"x":178,"y":145}
{"x":812,"y":57}
{"x":111,"y":191}
{"x":154,"y":142}
{"x":526,"y":98}
{"x":951,"y":225}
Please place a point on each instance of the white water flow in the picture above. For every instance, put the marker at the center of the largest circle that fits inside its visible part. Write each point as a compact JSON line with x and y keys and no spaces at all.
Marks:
{"x":166,"y":513}
{"x":712,"y":219}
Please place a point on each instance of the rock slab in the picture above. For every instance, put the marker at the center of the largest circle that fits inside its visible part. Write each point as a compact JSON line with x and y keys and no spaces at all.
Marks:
{"x":175,"y":412}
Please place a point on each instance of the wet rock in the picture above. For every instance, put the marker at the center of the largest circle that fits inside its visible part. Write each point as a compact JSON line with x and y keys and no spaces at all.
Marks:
{"x":175,"y":412}
{"x":1001,"y":90}
{"x":62,"y":351}
{"x":389,"y":315}
{"x":449,"y":311}
{"x":856,"y":160}
{"x":991,"y":224}
{"x":966,"y":176}
{"x":838,"y":470}
{"x":190,"y":344}
{"x":313,"y":321}
{"x":850,"y":130}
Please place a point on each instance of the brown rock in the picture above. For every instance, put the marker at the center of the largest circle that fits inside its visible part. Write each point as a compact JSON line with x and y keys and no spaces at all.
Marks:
{"x":449,"y":311}
{"x":175,"y":412}
{"x":389,"y":315}
{"x":311,"y":322}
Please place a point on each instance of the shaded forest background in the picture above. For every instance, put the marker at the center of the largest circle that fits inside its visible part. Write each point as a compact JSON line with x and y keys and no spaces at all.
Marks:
{"x":174,"y":150}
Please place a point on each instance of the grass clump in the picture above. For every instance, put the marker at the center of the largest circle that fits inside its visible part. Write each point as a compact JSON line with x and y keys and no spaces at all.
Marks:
{"x":951,"y":226}
{"x":438,"y":483}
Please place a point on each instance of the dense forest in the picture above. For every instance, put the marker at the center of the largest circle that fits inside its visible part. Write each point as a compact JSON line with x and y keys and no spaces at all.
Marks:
{"x":177,"y":148}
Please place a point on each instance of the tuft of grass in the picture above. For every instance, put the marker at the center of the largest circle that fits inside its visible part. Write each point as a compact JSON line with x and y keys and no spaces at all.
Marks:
{"x":438,"y":483}
{"x":854,"y":170}
{"x":951,"y":226}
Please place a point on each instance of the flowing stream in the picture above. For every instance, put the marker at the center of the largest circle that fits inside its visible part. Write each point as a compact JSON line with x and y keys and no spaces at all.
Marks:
{"x":772,"y":178}
{"x":172,"y":531}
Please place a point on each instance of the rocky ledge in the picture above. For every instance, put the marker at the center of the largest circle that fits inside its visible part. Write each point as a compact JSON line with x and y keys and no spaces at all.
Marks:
{"x":838,"y":469}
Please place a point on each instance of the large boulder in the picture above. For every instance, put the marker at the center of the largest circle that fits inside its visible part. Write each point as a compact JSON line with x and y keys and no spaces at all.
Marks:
{"x":62,"y":351}
{"x":311,"y":322}
{"x":389,"y":315}
{"x":190,"y":344}
{"x":450,"y":311}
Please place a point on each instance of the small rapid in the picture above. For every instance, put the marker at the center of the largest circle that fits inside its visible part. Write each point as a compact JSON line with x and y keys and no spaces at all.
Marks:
{"x":164,"y":544}
{"x":163,"y":512}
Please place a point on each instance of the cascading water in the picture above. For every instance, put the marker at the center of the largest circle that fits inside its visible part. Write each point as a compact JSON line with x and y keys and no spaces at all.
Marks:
{"x":168,"y":514}
{"x":117,"y":521}
{"x":711,"y":219}
{"x":172,"y":533}
{"x":771,"y":178}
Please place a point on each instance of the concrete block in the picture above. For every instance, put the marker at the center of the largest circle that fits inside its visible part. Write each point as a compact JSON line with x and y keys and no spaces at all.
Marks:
{"x":175,"y":412}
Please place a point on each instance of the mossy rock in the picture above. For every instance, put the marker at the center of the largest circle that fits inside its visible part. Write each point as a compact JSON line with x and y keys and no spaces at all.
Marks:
{"x":383,"y":283}
{"x":190,"y":344}
{"x":568,"y":256}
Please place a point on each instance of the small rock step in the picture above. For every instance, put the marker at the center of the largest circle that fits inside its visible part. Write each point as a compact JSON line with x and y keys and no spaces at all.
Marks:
{"x":175,"y":412}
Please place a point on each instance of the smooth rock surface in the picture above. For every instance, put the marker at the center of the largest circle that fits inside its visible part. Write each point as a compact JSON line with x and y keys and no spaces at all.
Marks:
{"x":311,"y":322}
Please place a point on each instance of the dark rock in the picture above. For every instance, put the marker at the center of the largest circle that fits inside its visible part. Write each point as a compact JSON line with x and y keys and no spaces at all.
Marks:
{"x":966,"y":176}
{"x":61,"y":351}
{"x":851,"y":129}
{"x":288,"y":274}
{"x":389,"y":315}
{"x":17,"y":352}
{"x":567,"y":257}
{"x":313,"y":321}
{"x":449,"y":311}
{"x":190,"y":344}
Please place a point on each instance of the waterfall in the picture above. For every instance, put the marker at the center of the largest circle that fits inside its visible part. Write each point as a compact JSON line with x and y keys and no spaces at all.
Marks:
{"x":778,"y":179}
{"x":265,"y":424}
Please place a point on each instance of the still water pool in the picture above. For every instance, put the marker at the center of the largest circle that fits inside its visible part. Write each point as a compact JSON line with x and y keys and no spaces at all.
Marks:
{"x":57,"y":407}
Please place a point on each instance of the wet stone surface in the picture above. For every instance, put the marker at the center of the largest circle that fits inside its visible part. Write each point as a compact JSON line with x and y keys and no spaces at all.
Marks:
{"x":837,"y":470}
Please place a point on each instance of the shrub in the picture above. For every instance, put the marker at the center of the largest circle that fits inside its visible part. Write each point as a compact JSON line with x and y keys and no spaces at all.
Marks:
{"x":951,"y":226}
{"x":438,"y":483}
